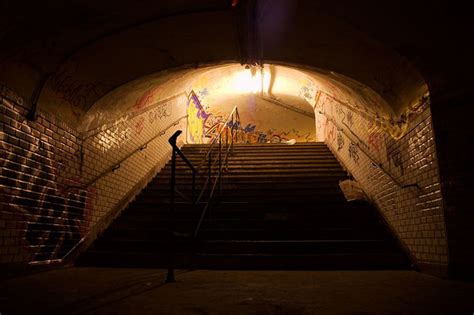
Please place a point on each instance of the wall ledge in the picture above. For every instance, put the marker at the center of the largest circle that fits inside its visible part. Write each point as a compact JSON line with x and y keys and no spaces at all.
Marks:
{"x":437,"y":270}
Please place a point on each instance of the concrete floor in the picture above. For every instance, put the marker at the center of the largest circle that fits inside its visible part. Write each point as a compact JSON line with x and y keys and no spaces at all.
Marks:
{"x":142,"y":291}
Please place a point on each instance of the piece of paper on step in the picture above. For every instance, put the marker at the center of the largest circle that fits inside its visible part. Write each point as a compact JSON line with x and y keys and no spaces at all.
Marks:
{"x":352,"y":190}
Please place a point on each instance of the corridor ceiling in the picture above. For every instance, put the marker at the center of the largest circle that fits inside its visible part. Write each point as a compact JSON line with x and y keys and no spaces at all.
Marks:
{"x":76,"y":52}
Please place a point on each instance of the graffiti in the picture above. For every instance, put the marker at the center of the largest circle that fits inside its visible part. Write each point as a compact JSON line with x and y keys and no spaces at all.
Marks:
{"x":72,"y":92}
{"x":151,"y":117}
{"x":203,"y":93}
{"x":196,"y":119}
{"x":262,"y":138}
{"x":376,"y":144}
{"x":213,"y":126}
{"x":340,"y":141}
{"x":249,"y":133}
{"x":139,"y":125}
{"x":419,"y":151}
{"x":354,"y":152}
{"x":53,"y":214}
{"x":308,"y":92}
{"x":330,"y":132}
{"x":233,"y":125}
{"x":146,"y":99}
{"x":160,"y":112}
{"x":395,"y":156}
{"x":249,"y":128}
{"x":350,"y":118}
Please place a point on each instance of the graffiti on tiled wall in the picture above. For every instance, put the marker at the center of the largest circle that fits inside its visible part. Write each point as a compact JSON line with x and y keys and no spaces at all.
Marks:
{"x":120,"y":132}
{"x":75,"y":93}
{"x":398,"y":170}
{"x":197,"y":117}
{"x":250,"y":133}
{"x":52,"y":179}
{"x":41,"y":186}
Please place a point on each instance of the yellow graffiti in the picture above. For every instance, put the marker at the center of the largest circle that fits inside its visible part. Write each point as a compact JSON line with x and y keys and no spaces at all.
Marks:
{"x":195,"y":123}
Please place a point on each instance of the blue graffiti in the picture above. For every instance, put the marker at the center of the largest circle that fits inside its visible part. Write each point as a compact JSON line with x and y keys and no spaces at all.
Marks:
{"x":249,"y":128}
{"x":233,"y":125}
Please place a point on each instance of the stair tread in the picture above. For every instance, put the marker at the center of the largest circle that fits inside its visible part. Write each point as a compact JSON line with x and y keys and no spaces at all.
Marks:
{"x":281,"y":206}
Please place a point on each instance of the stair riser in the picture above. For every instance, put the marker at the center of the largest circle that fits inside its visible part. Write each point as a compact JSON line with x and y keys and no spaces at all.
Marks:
{"x":256,"y":234}
{"x":253,"y":262}
{"x":249,"y":248}
{"x":280,"y":207}
{"x":190,"y":225}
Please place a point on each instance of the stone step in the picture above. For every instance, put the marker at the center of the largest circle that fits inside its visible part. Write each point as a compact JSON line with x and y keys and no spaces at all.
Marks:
{"x":280,"y":207}
{"x":343,"y":261}
{"x":264,"y":233}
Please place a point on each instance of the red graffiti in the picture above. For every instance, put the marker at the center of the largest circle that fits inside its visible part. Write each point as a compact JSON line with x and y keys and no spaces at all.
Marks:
{"x":375,"y":141}
{"x":146,"y":99}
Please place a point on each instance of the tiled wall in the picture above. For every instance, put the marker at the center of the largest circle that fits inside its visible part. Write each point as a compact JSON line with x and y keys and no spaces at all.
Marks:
{"x":362,"y":145}
{"x":56,"y":184}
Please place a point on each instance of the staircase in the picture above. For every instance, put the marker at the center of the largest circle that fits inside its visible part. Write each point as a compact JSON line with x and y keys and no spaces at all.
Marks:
{"x":280,"y":208}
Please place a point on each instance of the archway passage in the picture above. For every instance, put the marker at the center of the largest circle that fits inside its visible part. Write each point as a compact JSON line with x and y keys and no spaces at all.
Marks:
{"x":88,"y":93}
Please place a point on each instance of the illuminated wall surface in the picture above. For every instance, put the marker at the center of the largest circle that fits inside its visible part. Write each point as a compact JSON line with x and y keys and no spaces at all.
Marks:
{"x":361,"y":144}
{"x":66,"y":174}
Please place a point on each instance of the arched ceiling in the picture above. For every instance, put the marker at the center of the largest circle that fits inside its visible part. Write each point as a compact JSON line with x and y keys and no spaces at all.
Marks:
{"x":220,"y":87}
{"x":83,"y":50}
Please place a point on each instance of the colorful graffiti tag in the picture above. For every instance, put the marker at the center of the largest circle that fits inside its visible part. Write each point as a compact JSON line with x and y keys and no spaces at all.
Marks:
{"x":52,"y":209}
{"x":196,"y":119}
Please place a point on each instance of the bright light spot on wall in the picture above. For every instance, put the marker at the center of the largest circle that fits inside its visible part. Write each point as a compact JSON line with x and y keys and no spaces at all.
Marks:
{"x":266,"y":80}
{"x":247,"y":82}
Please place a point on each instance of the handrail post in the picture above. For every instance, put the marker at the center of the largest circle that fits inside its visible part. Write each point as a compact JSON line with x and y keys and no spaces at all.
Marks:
{"x":173,"y":180}
{"x":172,"y":140}
{"x":170,"y":275}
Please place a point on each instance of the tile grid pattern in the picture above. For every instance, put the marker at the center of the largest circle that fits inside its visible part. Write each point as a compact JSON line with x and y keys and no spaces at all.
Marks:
{"x":361,"y":145}
{"x":47,"y":203}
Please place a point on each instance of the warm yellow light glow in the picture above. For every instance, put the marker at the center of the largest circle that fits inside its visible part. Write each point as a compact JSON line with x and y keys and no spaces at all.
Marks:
{"x":245,"y":82}
{"x":266,"y":80}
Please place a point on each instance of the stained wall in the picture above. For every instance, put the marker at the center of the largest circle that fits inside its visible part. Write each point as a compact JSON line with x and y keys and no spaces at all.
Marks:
{"x":398,"y":170}
{"x":60,"y":187}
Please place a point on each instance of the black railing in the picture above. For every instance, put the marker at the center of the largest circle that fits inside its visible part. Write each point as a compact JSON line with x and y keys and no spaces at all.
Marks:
{"x":232,"y":126}
{"x":215,"y":161}
{"x":176,"y":151}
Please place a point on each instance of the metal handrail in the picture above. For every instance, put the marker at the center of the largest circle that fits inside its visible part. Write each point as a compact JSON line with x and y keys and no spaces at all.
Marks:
{"x":122,"y":119}
{"x":175,"y":150}
{"x":117,"y":165}
{"x":233,"y":120}
{"x":374,"y":162}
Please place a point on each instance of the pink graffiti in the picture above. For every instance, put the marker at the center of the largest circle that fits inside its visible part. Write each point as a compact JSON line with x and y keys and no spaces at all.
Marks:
{"x":375,"y":141}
